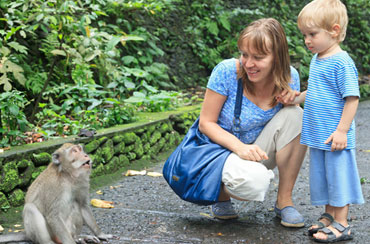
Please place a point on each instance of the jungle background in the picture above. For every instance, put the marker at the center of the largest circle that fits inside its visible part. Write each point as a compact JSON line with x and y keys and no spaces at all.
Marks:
{"x":72,"y":65}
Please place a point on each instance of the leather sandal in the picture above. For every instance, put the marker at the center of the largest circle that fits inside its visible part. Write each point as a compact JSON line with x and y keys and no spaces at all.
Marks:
{"x":320,"y":224}
{"x":331,"y":237}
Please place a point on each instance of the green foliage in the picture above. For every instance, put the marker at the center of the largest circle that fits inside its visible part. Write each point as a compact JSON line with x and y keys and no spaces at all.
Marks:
{"x":13,"y":119}
{"x":149,"y":99}
{"x":93,"y":64}
{"x":365,"y":91}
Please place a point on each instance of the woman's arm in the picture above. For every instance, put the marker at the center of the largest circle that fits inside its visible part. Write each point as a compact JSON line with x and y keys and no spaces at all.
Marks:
{"x":211,"y":109}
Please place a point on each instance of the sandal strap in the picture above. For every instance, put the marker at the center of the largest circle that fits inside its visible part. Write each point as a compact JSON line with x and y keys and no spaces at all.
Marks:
{"x":327,"y":216}
{"x":340,"y":227}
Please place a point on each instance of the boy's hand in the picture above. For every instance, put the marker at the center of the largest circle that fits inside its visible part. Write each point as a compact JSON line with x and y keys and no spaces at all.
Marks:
{"x":287,"y":97}
{"x":338,"y":140}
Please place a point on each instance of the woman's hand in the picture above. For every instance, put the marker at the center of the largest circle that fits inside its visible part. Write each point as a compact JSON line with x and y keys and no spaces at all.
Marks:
{"x":252,"y":153}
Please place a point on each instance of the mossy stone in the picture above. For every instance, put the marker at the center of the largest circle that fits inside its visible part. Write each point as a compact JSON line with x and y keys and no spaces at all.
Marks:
{"x":155,"y":137}
{"x":146,"y":147}
{"x":4,"y":203}
{"x":108,"y":150}
{"x":98,"y":171}
{"x":25,"y":170}
{"x":23,"y":164}
{"x":92,"y":146}
{"x":145,"y":138}
{"x":38,"y":171}
{"x":123,"y":161}
{"x":139,"y":150}
{"x":113,"y":165}
{"x":150,"y":129}
{"x":9,"y":178}
{"x":129,"y":138}
{"x":41,"y":159}
{"x":119,"y":148}
{"x":129,"y":148}
{"x":16,"y":198}
{"x":131,"y":156}
{"x":164,"y":128}
{"x":118,"y":139}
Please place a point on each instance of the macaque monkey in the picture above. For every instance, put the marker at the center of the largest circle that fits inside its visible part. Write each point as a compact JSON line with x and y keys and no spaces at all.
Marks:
{"x":57,"y":202}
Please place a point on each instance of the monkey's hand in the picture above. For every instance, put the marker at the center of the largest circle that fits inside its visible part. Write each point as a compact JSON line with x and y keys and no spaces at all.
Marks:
{"x":87,"y":239}
{"x":105,"y":237}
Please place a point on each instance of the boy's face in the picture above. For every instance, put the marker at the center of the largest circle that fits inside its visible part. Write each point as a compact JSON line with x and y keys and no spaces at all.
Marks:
{"x":319,"y":41}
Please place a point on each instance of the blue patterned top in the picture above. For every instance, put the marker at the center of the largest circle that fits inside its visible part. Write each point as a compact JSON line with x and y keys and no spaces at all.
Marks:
{"x":331,"y":79}
{"x":223,"y":80}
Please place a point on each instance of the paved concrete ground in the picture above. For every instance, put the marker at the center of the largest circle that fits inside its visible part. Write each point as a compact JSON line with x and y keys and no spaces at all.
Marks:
{"x":147,"y":211}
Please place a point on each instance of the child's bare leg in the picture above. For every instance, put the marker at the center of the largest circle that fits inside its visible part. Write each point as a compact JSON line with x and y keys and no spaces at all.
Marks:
{"x":328,"y":209}
{"x":340,"y":215}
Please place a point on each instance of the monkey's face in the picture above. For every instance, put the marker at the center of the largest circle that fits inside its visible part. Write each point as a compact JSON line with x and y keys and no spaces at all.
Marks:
{"x":73,"y":159}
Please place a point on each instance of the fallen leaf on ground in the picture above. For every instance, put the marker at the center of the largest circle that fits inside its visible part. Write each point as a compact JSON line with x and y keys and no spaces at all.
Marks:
{"x":99,"y":192}
{"x":98,"y":203}
{"x":114,"y":187}
{"x":206,"y":215}
{"x":154,"y":174}
{"x":131,"y":172}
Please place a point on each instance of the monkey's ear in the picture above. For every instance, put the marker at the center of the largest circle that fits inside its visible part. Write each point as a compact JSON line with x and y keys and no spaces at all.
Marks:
{"x":56,"y":158}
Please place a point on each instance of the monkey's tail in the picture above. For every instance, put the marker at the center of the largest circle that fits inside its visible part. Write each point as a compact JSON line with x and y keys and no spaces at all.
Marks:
{"x":14,"y":237}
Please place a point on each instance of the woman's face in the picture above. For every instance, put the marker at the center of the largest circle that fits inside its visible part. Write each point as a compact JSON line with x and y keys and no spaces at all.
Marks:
{"x":258,"y":66}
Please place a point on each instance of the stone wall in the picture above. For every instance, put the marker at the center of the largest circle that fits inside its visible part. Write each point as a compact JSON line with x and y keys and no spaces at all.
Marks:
{"x":110,"y":149}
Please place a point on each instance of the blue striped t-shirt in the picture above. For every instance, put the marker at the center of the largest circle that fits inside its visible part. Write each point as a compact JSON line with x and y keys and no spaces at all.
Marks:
{"x":331,"y":79}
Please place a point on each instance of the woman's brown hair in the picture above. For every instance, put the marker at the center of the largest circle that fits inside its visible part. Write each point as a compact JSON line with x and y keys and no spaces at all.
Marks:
{"x":268,"y":36}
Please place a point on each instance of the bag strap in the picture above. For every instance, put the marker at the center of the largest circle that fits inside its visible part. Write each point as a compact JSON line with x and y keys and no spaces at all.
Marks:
{"x":238,"y":105}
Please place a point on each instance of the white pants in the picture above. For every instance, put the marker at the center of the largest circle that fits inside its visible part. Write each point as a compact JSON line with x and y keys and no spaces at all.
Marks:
{"x":249,"y":180}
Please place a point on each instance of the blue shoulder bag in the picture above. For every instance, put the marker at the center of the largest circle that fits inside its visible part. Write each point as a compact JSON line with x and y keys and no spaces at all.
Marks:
{"x":194,"y":169}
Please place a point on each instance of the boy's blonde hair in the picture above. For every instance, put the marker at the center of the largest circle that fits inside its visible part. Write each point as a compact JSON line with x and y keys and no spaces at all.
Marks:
{"x":324,"y":14}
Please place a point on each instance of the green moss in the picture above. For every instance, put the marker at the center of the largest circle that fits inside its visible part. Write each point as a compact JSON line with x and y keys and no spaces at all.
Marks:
{"x":108,"y":150}
{"x":119,"y":148}
{"x":38,"y":171}
{"x":4,"y":204}
{"x":145,"y":138}
{"x":98,"y":171}
{"x":92,"y":146}
{"x":16,"y":198}
{"x":155,"y":137}
{"x":146,"y":148}
{"x":150,"y":129}
{"x":112,"y":166}
{"x":9,"y":178}
{"x":102,"y":140}
{"x":129,"y":148}
{"x":129,"y":138}
{"x":43,"y":158}
{"x":161,"y":143}
{"x":165,"y":127}
{"x":123,"y":161}
{"x":25,"y":172}
{"x":118,"y":139}
{"x":131,"y":156}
